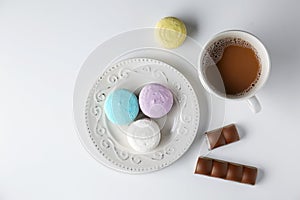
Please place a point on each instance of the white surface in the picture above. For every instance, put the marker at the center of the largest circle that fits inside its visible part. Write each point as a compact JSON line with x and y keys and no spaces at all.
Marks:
{"x":44,"y":43}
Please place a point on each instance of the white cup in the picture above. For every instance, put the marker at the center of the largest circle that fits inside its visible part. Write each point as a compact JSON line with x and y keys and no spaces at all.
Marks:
{"x":262,"y":53}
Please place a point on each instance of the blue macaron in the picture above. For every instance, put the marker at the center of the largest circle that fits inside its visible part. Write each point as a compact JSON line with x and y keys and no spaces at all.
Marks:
{"x":121,"y":106}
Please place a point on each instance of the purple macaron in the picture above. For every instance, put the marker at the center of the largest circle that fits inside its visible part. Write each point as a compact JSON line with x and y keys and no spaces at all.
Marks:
{"x":155,"y":100}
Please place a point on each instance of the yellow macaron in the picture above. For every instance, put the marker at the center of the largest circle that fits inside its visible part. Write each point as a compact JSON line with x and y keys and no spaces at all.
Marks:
{"x":170,"y":32}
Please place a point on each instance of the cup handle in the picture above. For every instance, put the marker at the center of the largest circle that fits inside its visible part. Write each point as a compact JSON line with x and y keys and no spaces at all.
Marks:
{"x":254,"y":104}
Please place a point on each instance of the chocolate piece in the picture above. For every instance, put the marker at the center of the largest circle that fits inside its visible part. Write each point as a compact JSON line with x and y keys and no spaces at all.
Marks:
{"x":204,"y":167}
{"x":226,"y":170}
{"x":219,"y":169}
{"x":235,"y":172}
{"x":249,"y":175}
{"x":222,"y":136}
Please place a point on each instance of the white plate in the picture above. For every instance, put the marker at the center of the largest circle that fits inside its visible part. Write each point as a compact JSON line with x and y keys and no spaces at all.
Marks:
{"x":178,"y":128}
{"x":141,"y":43}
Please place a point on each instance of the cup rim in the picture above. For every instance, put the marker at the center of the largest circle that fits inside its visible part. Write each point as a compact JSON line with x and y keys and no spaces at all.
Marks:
{"x":224,"y":96}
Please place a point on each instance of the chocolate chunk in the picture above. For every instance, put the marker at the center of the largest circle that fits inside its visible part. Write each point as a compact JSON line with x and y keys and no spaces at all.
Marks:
{"x":204,"y":166}
{"x":235,"y":172}
{"x":226,"y":170}
{"x":219,"y":169}
{"x":222,"y":136}
{"x":249,"y":175}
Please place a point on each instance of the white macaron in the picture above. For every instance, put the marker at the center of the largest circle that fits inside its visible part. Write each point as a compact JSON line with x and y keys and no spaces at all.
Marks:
{"x":143,"y":135}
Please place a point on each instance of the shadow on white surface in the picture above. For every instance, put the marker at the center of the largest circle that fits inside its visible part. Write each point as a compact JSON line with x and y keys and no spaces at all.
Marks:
{"x":241,"y":131}
{"x":260,"y":176}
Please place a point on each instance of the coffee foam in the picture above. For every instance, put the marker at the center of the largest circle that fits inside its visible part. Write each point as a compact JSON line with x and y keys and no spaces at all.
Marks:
{"x":214,"y":53}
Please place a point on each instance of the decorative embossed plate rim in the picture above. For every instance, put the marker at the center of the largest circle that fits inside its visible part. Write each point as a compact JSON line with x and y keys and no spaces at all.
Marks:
{"x":185,"y":129}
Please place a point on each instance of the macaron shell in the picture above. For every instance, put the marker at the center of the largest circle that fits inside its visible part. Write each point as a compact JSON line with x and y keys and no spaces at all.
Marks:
{"x":121,"y":107}
{"x":155,"y":100}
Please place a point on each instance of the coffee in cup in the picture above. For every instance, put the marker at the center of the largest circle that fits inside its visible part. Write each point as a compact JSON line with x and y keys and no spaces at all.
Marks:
{"x":237,"y":62}
{"x":234,"y":65}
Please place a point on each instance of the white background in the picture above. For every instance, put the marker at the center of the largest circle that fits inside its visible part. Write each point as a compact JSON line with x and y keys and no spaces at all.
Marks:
{"x":42,"y":47}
